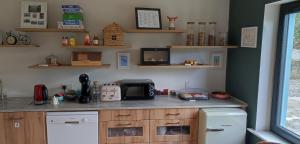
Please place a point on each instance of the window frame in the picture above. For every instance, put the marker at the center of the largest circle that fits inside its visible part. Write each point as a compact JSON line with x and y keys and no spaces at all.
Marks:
{"x":279,"y":75}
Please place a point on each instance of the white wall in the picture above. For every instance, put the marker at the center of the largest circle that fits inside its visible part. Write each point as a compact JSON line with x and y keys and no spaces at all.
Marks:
{"x":14,"y":62}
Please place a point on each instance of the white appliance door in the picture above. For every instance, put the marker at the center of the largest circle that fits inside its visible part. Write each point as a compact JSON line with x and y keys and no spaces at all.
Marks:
{"x":226,"y":129}
{"x":72,"y":129}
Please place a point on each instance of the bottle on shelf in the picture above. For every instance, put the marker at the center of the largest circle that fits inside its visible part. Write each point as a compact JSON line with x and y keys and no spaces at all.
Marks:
{"x":201,"y":33}
{"x":96,"y":41}
{"x":212,"y":34}
{"x":190,"y":34}
{"x":96,"y":92}
{"x":223,"y":38}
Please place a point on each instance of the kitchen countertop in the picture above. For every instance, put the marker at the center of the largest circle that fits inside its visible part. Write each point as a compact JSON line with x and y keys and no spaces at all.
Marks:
{"x":26,"y":104}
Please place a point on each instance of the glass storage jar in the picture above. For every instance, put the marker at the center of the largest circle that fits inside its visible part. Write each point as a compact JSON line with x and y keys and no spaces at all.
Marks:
{"x":223,"y":38}
{"x":190,"y":34}
{"x":201,"y":33}
{"x":212,"y":34}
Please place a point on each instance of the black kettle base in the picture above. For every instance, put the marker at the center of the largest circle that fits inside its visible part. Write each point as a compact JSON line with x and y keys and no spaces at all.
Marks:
{"x":84,"y":100}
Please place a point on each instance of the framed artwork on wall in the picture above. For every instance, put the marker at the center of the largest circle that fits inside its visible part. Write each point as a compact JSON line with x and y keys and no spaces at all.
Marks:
{"x":249,"y":37}
{"x":34,"y":14}
{"x":123,"y":60}
{"x":217,"y":59}
{"x":148,"y":18}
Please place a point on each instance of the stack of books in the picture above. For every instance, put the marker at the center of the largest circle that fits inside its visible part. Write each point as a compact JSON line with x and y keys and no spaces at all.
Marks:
{"x":72,"y":17}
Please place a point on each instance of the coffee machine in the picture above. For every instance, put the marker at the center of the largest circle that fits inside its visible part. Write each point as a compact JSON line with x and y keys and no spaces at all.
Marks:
{"x":85,"y":96}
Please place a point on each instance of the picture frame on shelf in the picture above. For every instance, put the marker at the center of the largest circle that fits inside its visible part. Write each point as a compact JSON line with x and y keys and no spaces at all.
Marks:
{"x":148,"y":18}
{"x":34,"y":14}
{"x":123,"y":60}
{"x":217,"y":59}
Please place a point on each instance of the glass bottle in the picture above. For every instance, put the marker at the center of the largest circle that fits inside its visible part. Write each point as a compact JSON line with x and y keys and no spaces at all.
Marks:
{"x":190,"y":34}
{"x":201,"y":33}
{"x":96,"y":92}
{"x":223,"y":38}
{"x":212,"y":34}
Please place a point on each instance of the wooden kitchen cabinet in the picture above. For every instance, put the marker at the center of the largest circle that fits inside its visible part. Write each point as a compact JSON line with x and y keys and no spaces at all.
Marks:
{"x":173,"y":126}
{"x":23,"y":128}
{"x":2,"y":129}
{"x":124,"y":126}
{"x":173,"y":130}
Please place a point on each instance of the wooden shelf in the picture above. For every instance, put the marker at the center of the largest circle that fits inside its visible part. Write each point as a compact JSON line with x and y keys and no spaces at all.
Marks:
{"x":153,"y":31}
{"x":177,"y":66}
{"x":37,"y":66}
{"x":51,"y":30}
{"x":95,"y":47}
{"x":19,"y":46}
{"x":201,"y":47}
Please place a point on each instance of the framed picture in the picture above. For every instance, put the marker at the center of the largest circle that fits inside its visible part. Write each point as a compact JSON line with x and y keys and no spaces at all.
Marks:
{"x":249,"y":37}
{"x":123,"y":60}
{"x":148,"y":18}
{"x":34,"y":14}
{"x":217,"y":59}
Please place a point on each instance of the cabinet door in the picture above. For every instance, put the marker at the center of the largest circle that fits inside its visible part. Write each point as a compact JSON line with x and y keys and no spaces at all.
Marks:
{"x":2,"y":129}
{"x":115,"y":132}
{"x":137,"y":132}
{"x":189,"y":130}
{"x":14,"y":128}
{"x":35,"y":126}
{"x":165,"y":130}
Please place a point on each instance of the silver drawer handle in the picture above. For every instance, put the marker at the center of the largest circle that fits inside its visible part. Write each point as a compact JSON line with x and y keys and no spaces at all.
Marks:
{"x":214,"y":130}
{"x":71,"y":122}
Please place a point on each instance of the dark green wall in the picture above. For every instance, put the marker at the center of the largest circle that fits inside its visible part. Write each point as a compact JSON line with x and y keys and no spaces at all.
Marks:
{"x":244,"y":63}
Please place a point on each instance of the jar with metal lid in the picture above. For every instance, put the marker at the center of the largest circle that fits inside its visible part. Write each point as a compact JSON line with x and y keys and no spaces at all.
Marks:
{"x":190,"y":34}
{"x":201,"y":33}
{"x":212,"y":34}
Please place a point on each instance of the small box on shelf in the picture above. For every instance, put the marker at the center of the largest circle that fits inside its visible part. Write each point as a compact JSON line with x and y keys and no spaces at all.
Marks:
{"x":86,"y":59}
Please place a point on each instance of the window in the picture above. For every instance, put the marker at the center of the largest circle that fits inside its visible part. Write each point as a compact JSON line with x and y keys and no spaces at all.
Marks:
{"x":286,"y":102}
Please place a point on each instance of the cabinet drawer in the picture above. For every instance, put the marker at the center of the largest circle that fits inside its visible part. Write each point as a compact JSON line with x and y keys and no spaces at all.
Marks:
{"x":158,"y":114}
{"x":173,"y":130}
{"x":127,"y":132}
{"x":124,"y":115}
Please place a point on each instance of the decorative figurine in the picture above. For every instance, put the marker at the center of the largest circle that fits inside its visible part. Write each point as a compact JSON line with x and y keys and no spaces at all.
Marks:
{"x":87,"y":39}
{"x":172,"y":22}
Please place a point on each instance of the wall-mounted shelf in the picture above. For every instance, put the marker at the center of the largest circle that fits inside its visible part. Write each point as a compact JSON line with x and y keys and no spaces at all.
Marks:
{"x":19,"y":46}
{"x":177,"y":66}
{"x":201,"y":47}
{"x":153,"y":31}
{"x":95,"y":47}
{"x":51,"y":30}
{"x":37,"y":66}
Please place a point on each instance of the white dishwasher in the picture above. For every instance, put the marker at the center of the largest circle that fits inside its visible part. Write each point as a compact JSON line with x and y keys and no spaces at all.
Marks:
{"x":72,"y":127}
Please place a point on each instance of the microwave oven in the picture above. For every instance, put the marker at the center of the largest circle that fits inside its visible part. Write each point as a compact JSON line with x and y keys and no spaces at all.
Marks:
{"x":137,"y":89}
